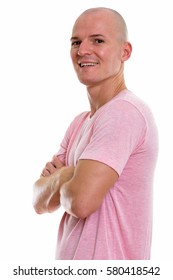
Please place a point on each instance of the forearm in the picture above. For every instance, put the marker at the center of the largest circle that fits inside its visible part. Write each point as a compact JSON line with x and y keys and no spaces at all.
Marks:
{"x":42,"y":191}
{"x":84,"y":193}
{"x":46,"y":196}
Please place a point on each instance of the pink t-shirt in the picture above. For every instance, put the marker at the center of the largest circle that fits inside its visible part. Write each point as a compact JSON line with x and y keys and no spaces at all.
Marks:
{"x":123,"y":135}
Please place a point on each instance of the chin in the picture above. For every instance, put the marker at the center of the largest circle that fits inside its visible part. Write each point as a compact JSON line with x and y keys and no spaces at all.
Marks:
{"x":87,"y":82}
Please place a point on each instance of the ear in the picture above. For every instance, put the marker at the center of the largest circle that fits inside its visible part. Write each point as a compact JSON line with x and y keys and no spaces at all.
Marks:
{"x":126,"y":51}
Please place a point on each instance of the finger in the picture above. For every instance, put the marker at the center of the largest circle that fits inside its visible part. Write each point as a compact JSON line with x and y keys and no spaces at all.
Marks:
{"x":45,"y":172}
{"x":57,"y":163}
{"x":50,"y":167}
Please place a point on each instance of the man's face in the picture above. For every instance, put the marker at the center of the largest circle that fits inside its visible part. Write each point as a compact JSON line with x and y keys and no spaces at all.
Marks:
{"x":96,"y":48}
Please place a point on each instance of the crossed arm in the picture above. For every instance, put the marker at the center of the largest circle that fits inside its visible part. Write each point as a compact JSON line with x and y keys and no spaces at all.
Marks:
{"x":79,"y":190}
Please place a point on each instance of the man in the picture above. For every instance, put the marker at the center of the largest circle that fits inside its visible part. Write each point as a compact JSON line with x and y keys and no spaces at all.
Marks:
{"x":103,"y":172}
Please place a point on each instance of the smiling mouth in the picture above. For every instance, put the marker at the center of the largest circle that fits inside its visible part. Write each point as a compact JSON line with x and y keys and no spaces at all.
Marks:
{"x":89,"y":64}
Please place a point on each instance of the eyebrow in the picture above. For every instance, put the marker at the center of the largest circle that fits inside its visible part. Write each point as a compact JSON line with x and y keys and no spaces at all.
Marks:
{"x":91,"y":36}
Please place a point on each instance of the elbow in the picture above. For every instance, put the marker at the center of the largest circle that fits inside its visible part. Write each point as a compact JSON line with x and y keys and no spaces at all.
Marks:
{"x":42,"y":207}
{"x":37,"y":204}
{"x":35,"y":199}
{"x":38,"y":211}
{"x":39,"y":197}
{"x":76,"y":204}
{"x":37,"y":207}
{"x":73,"y":207}
{"x":78,"y":214}
{"x":80,"y":210}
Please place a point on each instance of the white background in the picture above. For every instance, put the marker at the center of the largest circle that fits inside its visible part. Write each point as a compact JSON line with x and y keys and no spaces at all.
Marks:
{"x":40,"y":95}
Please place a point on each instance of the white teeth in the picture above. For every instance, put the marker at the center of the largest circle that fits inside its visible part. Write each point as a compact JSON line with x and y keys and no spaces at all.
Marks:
{"x":87,"y":64}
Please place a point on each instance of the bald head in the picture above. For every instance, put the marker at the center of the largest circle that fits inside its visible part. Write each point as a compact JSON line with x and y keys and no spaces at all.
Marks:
{"x":117,"y":20}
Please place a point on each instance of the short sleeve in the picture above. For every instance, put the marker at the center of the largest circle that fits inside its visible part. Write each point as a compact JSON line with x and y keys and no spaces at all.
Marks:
{"x":69,"y":137}
{"x":118,"y":131}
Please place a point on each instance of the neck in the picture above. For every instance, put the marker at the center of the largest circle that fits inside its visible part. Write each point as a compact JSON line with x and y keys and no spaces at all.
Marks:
{"x":102,"y":93}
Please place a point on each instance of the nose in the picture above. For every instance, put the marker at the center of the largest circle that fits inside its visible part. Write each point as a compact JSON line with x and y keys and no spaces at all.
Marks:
{"x":84,"y":48}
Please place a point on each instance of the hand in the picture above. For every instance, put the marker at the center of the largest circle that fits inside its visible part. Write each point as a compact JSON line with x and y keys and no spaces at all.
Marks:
{"x":52,"y":166}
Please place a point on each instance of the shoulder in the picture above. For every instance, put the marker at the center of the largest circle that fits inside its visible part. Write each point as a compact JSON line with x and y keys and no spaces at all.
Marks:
{"x":133,"y":102}
{"x":125,"y":106}
{"x":122,"y":107}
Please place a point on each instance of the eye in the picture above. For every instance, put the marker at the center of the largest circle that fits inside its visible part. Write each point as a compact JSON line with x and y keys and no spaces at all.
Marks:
{"x":75,"y":43}
{"x":99,"y":41}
